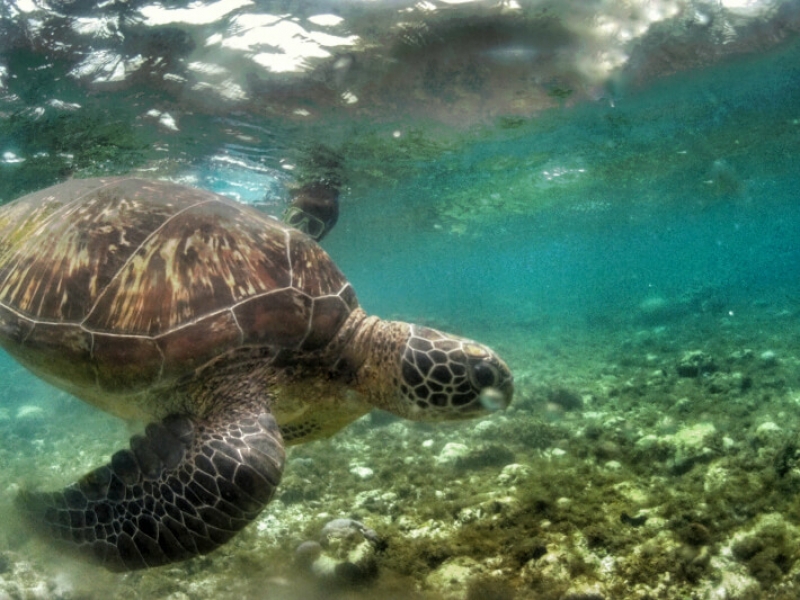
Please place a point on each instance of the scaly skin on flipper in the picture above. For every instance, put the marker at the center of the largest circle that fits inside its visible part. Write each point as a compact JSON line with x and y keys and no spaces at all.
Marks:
{"x":182,"y":490}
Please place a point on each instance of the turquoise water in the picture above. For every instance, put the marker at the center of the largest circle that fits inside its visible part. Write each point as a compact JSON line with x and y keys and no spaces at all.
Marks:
{"x":689,"y":185}
{"x":632,"y":252}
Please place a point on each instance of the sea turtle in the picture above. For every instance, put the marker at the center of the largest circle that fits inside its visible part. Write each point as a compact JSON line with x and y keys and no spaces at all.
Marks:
{"x":228,"y":331}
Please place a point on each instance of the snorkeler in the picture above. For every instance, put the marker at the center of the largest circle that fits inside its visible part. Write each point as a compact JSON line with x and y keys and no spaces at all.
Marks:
{"x":314,"y":208}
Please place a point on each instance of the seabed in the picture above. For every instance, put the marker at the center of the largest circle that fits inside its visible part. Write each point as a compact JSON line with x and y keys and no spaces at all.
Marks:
{"x":639,"y":460}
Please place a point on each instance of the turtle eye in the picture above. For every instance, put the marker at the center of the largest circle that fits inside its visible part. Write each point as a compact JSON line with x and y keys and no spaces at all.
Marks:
{"x":483,"y":374}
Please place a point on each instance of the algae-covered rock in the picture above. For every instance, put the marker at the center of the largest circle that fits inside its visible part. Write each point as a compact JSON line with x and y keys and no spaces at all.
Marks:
{"x":344,"y":555}
{"x":694,"y":363}
{"x":769,"y":549}
{"x":768,"y":434}
{"x":736,"y":586}
{"x":513,"y":474}
{"x":768,"y":358}
{"x":453,"y":576}
{"x":692,"y":445}
{"x":451,"y":453}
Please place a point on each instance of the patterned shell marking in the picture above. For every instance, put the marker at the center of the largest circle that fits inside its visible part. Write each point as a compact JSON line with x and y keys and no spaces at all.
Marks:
{"x":126,"y":283}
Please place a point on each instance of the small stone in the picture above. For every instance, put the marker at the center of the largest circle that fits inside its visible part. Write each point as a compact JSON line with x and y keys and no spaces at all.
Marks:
{"x":716,"y":478}
{"x":376,"y":501}
{"x":30,"y":411}
{"x":307,"y":552}
{"x":768,"y":358}
{"x":694,"y":363}
{"x":768,"y":433}
{"x":723,"y":383}
{"x":691,"y":446}
{"x":584,"y":592}
{"x":362,"y":472}
{"x":451,"y":453}
{"x":345,"y":553}
{"x":487,"y":428}
{"x":647,"y":442}
{"x":454,"y":574}
{"x":745,"y":354}
{"x":513,"y":474}
{"x":346,"y":529}
{"x":695,"y":437}
{"x":736,"y":586}
{"x":565,"y":399}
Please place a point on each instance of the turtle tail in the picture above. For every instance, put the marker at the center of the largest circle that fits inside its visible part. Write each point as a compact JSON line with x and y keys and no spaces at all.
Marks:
{"x":183,"y":489}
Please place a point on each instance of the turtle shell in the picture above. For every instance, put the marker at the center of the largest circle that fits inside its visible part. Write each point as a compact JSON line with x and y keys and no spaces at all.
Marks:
{"x":117,"y":285}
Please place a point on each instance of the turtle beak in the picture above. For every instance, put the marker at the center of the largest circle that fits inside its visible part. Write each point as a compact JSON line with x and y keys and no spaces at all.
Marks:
{"x":493,"y":399}
{"x":490,"y":376}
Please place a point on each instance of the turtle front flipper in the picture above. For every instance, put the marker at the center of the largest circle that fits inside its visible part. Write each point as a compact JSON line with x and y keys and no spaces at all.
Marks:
{"x":183,"y":489}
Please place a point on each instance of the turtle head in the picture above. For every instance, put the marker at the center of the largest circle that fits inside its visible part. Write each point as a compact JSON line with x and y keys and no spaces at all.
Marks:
{"x":420,"y":373}
{"x":442,"y":376}
{"x":423,"y":374}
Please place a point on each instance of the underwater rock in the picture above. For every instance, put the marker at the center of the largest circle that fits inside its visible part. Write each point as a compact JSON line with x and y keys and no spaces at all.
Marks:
{"x":550,"y":573}
{"x":768,"y":434}
{"x":584,"y":592}
{"x":735,"y":586}
{"x":29,"y":422}
{"x":724,"y":383}
{"x":567,"y":400}
{"x":692,"y":446}
{"x":453,"y":576}
{"x":694,"y":363}
{"x":29,"y":412}
{"x":682,"y":450}
{"x":741,"y":355}
{"x":786,"y":463}
{"x":513,"y":474}
{"x":636,"y":521}
{"x":362,"y":472}
{"x":346,"y":529}
{"x":21,"y":579}
{"x":651,"y":447}
{"x":716,"y":478}
{"x":487,"y":429}
{"x":492,"y":455}
{"x":451,"y":453}
{"x":768,"y":550}
{"x":768,"y":358}
{"x":489,"y":509}
{"x":344,"y":555}
{"x":377,"y":501}
{"x":307,"y":553}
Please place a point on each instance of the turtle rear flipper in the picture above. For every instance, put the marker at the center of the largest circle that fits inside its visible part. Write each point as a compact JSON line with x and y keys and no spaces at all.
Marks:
{"x":183,"y":489}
